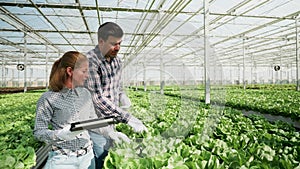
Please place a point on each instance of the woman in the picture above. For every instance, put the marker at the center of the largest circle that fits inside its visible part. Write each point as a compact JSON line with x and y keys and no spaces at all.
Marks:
{"x":66,"y":102}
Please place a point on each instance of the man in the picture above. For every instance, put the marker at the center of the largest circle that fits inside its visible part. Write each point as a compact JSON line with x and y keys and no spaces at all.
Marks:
{"x":104,"y":82}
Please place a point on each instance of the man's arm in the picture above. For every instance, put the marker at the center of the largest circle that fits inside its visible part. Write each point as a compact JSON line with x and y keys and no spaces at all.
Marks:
{"x":102,"y":104}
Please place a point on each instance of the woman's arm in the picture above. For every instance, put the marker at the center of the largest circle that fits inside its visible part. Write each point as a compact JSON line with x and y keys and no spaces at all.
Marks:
{"x":43,"y":117}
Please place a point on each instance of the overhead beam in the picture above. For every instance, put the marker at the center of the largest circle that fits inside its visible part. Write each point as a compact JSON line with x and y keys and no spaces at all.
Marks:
{"x":108,"y":9}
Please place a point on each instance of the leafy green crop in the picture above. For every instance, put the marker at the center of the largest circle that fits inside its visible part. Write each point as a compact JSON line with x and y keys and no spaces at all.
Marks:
{"x":276,"y":102}
{"x":183,"y":131}
{"x":17,"y":144}
{"x":283,"y":102}
{"x":216,"y":138}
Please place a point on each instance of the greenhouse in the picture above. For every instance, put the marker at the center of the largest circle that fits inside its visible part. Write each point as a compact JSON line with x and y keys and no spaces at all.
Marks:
{"x":215,"y":82}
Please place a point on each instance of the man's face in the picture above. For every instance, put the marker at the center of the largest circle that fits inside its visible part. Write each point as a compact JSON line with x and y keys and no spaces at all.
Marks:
{"x":110,"y":47}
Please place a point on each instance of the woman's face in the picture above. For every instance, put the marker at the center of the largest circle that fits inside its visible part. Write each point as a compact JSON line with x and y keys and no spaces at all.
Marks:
{"x":80,"y":74}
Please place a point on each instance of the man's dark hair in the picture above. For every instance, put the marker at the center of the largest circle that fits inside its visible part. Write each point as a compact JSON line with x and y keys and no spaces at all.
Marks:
{"x":109,"y":29}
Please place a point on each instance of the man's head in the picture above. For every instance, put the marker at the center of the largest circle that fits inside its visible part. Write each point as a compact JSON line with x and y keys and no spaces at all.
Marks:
{"x":109,"y":39}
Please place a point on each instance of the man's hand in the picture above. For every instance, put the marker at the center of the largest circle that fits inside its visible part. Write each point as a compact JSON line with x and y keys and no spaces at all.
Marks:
{"x":137,"y":125}
{"x":118,"y":137}
{"x":110,"y":132}
{"x":66,"y":134}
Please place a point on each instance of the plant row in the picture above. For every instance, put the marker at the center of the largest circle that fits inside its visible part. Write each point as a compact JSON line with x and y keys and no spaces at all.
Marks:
{"x":183,"y":132}
{"x":189,"y":134}
{"x":282,"y":101}
{"x":17,"y":144}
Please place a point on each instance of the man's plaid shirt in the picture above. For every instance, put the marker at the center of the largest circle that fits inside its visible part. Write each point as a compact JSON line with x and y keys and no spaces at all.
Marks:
{"x":104,"y":82}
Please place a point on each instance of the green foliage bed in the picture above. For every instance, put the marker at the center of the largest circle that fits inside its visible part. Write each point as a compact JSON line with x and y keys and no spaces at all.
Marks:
{"x":183,"y":131}
{"x":17,"y":149}
{"x":210,"y":137}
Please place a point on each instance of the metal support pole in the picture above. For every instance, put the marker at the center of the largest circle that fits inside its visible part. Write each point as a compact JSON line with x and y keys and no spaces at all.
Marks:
{"x":30,"y":77}
{"x":280,"y":64}
{"x":144,"y":77}
{"x":206,"y":51}
{"x":3,"y":82}
{"x":162,"y":68}
{"x":297,"y":53}
{"x":272,"y":73}
{"x":136,"y":76}
{"x":183,"y":75}
{"x":46,"y":67}
{"x":162,"y":78}
{"x":25,"y":63}
{"x":5,"y":77}
{"x":239,"y":74}
{"x":289,"y":67}
{"x":251,"y":75}
{"x":255,"y":72}
{"x":230,"y":75}
{"x":244,"y":67}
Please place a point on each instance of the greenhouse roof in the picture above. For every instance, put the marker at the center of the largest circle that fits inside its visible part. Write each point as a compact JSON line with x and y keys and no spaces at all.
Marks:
{"x":257,"y":32}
